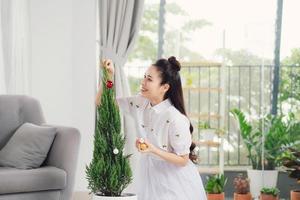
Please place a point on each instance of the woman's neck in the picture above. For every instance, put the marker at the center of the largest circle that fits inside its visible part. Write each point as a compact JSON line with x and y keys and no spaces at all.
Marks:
{"x":156,"y":101}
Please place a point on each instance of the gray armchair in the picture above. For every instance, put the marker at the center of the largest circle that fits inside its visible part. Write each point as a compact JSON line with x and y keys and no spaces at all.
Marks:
{"x":54,"y":180}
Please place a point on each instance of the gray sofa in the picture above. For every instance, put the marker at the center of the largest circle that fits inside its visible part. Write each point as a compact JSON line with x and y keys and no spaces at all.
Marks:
{"x":54,"y":180}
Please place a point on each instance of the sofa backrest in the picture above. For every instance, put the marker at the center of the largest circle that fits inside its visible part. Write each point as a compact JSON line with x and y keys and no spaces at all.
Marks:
{"x":16,"y":110}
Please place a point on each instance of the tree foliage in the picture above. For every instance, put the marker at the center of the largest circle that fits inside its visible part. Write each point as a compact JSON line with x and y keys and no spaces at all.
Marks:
{"x":176,"y":38}
{"x":109,"y":172}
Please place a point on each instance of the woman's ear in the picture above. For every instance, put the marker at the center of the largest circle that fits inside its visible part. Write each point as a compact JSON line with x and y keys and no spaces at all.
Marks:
{"x":166,"y":87}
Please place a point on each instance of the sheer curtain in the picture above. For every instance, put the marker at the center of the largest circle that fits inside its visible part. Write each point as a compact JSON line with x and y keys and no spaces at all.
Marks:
{"x":2,"y":76}
{"x":15,"y":46}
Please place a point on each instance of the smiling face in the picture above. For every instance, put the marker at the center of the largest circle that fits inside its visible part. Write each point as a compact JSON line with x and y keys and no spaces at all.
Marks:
{"x":151,"y":87}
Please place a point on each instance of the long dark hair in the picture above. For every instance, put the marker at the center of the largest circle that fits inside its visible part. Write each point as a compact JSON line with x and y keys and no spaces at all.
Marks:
{"x":169,"y":72}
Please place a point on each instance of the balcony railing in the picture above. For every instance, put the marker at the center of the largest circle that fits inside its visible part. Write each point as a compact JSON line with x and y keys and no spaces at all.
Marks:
{"x":245,"y":87}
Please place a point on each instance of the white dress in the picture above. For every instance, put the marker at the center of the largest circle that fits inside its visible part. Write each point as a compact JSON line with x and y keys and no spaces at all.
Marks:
{"x":165,"y":127}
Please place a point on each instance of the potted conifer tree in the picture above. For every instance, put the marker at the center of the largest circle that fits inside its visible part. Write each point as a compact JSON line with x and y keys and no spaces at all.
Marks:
{"x":109,"y":172}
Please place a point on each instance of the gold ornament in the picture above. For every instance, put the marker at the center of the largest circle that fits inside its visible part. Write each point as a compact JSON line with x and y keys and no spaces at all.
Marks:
{"x":142,"y":145}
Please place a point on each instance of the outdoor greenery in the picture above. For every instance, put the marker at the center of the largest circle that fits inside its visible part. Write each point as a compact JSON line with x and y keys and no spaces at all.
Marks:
{"x":215,"y":184}
{"x":271,"y":191}
{"x":279,"y":131}
{"x":243,"y":77}
{"x":290,"y":158}
{"x":175,"y":38}
{"x":241,"y":184}
{"x":241,"y":57}
{"x":290,"y":82}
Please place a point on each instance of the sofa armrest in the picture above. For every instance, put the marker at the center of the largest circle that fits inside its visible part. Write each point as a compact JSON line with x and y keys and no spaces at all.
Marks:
{"x":64,"y":154}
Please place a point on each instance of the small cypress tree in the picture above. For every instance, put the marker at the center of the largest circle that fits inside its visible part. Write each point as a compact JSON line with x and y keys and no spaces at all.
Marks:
{"x":109,"y":172}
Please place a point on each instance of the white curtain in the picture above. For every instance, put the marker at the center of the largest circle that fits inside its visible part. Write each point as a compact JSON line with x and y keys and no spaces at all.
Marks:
{"x":2,"y":76}
{"x":15,"y":45}
{"x":119,"y":23}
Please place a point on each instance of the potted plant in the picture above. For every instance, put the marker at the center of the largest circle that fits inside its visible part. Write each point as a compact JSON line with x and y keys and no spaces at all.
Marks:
{"x":109,"y":172}
{"x":215,"y":187}
{"x":291,"y":160}
{"x":277,"y":134}
{"x":241,"y":188}
{"x":206,"y":131}
{"x":269,"y":193}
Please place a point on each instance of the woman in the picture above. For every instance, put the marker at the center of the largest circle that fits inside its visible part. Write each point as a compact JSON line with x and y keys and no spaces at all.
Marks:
{"x":166,"y":168}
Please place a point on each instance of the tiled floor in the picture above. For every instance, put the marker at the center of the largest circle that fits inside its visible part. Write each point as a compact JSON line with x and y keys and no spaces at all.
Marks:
{"x":81,"y":196}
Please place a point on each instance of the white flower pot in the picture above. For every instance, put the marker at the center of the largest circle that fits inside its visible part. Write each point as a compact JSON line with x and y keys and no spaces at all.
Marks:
{"x":208,"y":134}
{"x":256,"y":181}
{"x":126,"y":196}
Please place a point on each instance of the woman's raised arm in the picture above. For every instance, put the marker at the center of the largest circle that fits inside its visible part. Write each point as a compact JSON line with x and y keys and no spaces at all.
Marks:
{"x":108,"y":64}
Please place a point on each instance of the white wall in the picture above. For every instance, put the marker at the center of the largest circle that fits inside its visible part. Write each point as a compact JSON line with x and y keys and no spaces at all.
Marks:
{"x":84,"y":82}
{"x":63,"y":67}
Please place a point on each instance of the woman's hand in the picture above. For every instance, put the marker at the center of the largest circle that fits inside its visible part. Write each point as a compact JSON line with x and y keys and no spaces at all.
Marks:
{"x":150,"y":147}
{"x":180,"y":160}
{"x":108,"y":64}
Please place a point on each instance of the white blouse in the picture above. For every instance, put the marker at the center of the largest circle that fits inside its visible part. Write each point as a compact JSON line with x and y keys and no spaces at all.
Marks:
{"x":166,"y":128}
{"x":163,"y":125}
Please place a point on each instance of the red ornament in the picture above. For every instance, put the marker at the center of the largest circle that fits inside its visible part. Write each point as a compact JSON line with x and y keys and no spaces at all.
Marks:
{"x":109,"y":84}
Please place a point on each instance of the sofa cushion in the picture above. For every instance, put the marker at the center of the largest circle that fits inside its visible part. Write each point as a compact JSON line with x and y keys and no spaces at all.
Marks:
{"x":15,"y":110}
{"x":28,"y":147}
{"x":14,"y":180}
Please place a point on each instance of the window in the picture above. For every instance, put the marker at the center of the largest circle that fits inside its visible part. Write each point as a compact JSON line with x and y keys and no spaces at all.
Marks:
{"x":238,"y":35}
